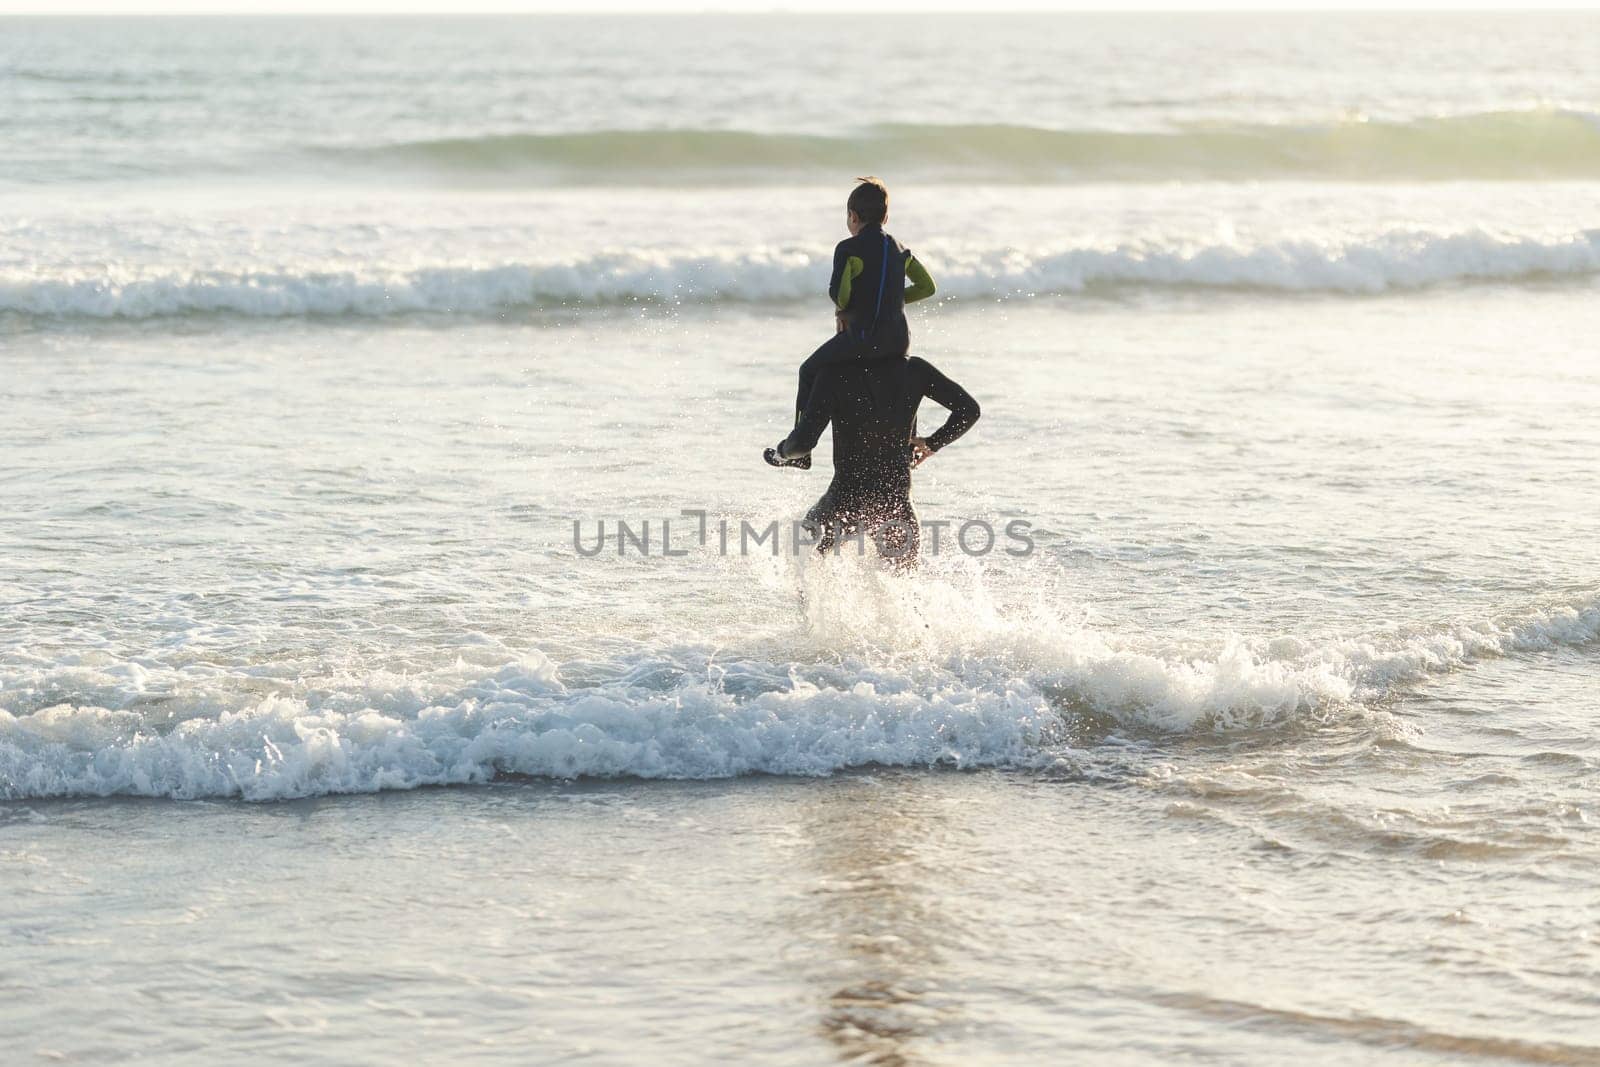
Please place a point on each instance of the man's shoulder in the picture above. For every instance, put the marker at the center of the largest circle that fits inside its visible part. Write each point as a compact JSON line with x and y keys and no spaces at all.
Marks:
{"x":923,"y":374}
{"x":831,"y":373}
{"x":849,"y":374}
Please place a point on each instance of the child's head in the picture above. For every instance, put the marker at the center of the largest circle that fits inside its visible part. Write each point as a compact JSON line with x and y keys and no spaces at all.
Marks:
{"x":868,"y":205}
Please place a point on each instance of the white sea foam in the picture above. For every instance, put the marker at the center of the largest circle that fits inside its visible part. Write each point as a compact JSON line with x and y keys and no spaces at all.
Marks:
{"x":991,"y":692}
{"x":1397,"y":260}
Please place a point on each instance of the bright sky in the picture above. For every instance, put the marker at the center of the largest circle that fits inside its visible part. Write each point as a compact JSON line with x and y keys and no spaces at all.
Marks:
{"x":411,"y":7}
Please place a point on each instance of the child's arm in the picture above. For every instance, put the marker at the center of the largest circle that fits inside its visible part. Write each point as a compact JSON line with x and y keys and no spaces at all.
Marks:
{"x":921,"y":286}
{"x":846,"y":269}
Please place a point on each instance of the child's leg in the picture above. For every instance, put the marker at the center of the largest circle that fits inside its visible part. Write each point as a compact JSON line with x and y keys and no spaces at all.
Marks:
{"x":838,"y":349}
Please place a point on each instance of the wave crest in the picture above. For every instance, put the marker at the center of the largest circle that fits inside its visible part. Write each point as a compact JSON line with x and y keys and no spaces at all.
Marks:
{"x":1004,"y":697}
{"x":1394,"y":261}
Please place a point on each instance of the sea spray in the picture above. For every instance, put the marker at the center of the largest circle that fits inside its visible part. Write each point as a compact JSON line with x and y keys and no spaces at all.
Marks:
{"x":887,"y":671}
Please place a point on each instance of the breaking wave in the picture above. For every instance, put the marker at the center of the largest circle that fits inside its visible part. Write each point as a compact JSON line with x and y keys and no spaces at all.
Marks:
{"x":993,"y":692}
{"x":1393,"y":261}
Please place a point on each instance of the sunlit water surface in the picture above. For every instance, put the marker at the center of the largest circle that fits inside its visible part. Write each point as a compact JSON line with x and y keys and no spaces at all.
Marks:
{"x":1278,"y":743}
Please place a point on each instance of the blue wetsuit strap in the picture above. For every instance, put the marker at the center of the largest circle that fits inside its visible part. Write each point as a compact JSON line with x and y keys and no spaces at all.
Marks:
{"x":883,"y":277}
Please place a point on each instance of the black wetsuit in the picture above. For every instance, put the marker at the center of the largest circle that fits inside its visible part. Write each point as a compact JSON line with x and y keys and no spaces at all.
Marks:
{"x":873,"y":407}
{"x":868,"y":286}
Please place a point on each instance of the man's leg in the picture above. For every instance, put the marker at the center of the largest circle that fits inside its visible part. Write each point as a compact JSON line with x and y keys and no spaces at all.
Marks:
{"x":825,"y":522}
{"x":899,"y":537}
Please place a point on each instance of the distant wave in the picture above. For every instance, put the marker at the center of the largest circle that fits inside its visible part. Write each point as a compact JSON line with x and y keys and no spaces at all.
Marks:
{"x":1398,"y":260}
{"x":1530,"y":144}
{"x":684,"y":713}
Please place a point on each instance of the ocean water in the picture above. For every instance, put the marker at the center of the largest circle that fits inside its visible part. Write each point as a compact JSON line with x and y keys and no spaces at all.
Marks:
{"x":330,"y":349}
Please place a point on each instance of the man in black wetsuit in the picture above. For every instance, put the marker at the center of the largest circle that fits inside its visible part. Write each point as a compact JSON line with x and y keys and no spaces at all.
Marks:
{"x":873,"y":404}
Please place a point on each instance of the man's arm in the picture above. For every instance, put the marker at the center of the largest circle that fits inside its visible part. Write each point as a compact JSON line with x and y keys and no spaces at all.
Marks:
{"x":921,"y":286}
{"x":813,"y":420}
{"x":964,"y":411}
